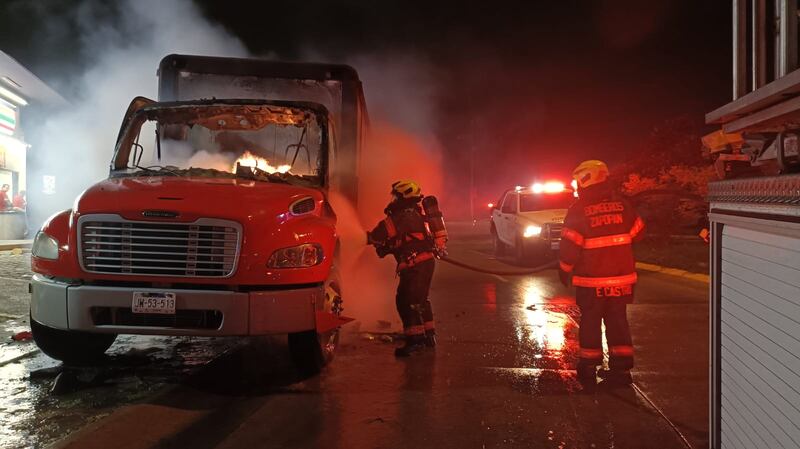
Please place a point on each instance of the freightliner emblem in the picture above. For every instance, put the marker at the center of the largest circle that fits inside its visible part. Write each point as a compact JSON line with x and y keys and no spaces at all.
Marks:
{"x":160,"y":214}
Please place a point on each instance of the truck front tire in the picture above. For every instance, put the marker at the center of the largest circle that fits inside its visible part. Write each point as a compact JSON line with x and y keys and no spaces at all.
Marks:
{"x":310,"y":350}
{"x":306,"y":350}
{"x":71,"y":347}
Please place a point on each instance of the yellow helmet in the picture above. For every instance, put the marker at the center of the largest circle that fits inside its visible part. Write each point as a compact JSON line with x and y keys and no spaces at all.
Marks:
{"x":406,"y":189}
{"x":589,"y":173}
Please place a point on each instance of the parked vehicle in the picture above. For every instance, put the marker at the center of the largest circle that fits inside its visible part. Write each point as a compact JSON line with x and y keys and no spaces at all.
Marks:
{"x":215,"y":217}
{"x":755,"y":236}
{"x":526,"y":222}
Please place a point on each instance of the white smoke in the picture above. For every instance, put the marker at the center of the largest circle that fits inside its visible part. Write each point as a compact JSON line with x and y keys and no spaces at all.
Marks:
{"x":400,"y":90}
{"x":182,"y":154}
{"x":77,"y":144}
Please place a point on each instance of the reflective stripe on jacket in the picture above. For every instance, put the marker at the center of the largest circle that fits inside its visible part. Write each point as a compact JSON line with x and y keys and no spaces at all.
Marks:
{"x":403,"y":233}
{"x":596,"y":240}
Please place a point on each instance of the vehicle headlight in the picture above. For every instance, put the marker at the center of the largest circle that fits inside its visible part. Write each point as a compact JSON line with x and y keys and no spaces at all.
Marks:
{"x":531,"y":231}
{"x":44,"y":246}
{"x":302,"y":256}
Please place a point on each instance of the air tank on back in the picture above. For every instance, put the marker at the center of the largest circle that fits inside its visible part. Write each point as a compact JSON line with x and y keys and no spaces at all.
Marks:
{"x":435,"y":219}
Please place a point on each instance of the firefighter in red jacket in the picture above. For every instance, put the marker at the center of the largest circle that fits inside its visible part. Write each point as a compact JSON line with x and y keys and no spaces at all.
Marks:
{"x":596,"y":257}
{"x":414,"y":234}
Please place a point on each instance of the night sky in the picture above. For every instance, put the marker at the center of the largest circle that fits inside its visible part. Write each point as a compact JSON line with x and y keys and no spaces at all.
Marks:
{"x":581,"y":77}
{"x":527,"y":86}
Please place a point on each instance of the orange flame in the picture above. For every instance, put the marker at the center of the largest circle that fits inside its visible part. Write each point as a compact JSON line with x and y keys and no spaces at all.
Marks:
{"x":248,"y":159}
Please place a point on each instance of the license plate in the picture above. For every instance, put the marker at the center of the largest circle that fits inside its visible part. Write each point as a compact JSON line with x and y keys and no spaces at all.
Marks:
{"x":554,"y":245}
{"x":153,"y":302}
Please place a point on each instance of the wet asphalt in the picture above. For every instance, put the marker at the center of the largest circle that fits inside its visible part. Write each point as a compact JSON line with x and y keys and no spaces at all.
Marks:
{"x":501,"y":376}
{"x":42,"y":401}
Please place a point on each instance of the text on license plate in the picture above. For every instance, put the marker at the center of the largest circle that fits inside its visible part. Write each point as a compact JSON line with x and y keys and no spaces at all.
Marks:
{"x":153,"y":302}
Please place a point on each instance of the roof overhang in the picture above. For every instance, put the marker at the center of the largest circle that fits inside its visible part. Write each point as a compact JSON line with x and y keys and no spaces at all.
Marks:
{"x":24,"y":83}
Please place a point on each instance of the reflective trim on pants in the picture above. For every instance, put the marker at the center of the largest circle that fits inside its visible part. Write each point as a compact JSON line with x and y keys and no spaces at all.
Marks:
{"x":415,"y":330}
{"x":621,"y":351}
{"x":590,"y":353}
{"x":598,"y":311}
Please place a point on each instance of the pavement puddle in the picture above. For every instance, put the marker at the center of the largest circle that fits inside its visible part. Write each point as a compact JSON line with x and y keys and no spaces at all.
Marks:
{"x":41,"y":400}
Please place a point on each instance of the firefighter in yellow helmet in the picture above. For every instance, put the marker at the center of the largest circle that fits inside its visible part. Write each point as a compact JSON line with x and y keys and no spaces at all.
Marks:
{"x":414,"y":233}
{"x":596,"y":257}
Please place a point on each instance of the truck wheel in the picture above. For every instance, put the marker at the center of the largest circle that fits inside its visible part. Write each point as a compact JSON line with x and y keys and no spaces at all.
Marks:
{"x":310,"y":350}
{"x":306,"y":350}
{"x":71,"y":347}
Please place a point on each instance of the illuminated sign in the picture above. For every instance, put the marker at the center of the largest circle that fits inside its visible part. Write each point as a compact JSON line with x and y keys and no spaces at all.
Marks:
{"x":8,"y":119}
{"x":12,"y":96}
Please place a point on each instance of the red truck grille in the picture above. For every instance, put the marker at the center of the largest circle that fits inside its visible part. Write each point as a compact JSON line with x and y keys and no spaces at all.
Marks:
{"x":205,"y":248}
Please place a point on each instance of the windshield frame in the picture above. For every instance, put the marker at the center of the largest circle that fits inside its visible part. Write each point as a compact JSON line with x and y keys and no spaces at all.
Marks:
{"x":119,"y":165}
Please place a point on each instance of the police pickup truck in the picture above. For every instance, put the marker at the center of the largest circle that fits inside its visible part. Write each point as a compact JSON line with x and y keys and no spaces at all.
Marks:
{"x":526,"y":223}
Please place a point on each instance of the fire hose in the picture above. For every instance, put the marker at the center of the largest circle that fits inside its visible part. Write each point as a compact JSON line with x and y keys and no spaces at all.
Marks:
{"x":529,"y":271}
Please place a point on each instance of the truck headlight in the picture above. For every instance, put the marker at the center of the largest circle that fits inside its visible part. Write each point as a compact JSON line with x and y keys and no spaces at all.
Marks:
{"x":531,"y":231}
{"x":302,"y":256}
{"x":44,"y":246}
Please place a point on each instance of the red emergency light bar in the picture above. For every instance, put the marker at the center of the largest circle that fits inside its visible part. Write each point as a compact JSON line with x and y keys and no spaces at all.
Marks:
{"x":548,"y":187}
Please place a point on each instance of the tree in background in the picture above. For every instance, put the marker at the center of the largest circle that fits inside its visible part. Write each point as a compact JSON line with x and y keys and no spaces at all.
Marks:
{"x":692,"y":180}
{"x":672,"y":160}
{"x":674,"y":142}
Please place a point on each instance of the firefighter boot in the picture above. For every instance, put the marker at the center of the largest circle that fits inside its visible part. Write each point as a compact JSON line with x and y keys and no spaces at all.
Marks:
{"x":616,"y":378}
{"x":587,"y":375}
{"x":413,"y":343}
{"x":430,"y":338}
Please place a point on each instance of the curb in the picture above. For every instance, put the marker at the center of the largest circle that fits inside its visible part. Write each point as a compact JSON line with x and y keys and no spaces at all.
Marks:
{"x":700,"y":277}
{"x":16,"y":245}
{"x":16,"y":251}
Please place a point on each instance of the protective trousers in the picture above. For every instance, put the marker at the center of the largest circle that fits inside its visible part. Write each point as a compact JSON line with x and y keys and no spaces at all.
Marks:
{"x":412,"y":300}
{"x":613,"y":312}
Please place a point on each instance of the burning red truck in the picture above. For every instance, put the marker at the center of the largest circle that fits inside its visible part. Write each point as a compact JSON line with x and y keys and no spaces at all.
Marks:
{"x":214,"y":219}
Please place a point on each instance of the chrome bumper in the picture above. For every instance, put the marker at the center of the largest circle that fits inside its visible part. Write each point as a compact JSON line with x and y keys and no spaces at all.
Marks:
{"x":69,"y":307}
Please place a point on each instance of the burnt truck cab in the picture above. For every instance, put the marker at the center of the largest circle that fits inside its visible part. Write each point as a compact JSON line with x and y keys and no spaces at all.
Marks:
{"x":214,"y":220}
